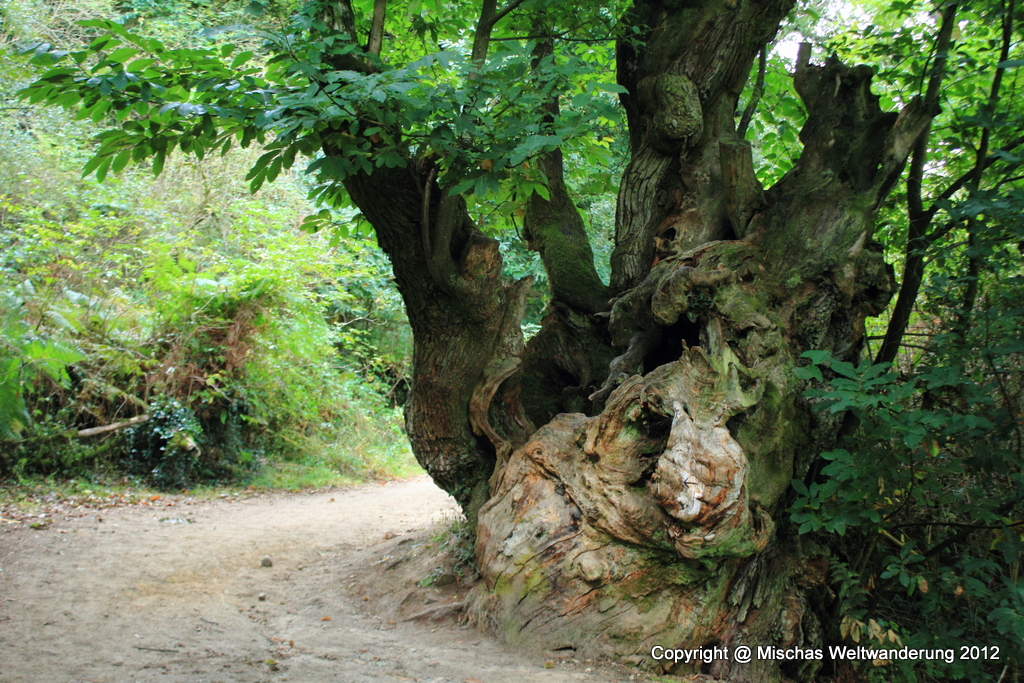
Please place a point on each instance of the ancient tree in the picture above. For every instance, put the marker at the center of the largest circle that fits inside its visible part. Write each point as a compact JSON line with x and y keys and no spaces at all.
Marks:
{"x":626,"y":469}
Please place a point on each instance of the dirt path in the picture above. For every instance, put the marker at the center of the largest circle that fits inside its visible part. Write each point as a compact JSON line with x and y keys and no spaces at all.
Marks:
{"x":176,"y":592}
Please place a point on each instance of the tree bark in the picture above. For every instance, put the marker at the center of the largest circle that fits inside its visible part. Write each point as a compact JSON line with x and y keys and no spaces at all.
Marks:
{"x":464,"y":415}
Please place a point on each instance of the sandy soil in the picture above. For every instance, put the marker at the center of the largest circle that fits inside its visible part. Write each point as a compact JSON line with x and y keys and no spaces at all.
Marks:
{"x":175,"y":591}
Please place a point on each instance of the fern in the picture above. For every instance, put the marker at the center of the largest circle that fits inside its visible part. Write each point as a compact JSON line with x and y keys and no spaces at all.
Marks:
{"x":13,"y":413}
{"x":25,"y":357}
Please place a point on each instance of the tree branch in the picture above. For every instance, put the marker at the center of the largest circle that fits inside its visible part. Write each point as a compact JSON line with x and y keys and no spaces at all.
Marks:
{"x":553,"y":226}
{"x":755,"y":95}
{"x":93,"y":431}
{"x":961,"y":182}
{"x":376,"y":39}
{"x":919,"y":218}
{"x":504,"y":12}
{"x":489,"y":16}
{"x":931,"y":99}
{"x":964,"y":532}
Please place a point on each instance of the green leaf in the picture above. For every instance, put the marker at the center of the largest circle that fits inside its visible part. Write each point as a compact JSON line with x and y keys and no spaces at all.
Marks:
{"x":122,"y":55}
{"x":817,"y":357}
{"x":91,"y":165}
{"x":240,"y":59}
{"x":158,"y":163}
{"x":101,"y":171}
{"x":121,"y":160}
{"x":811,"y":372}
{"x":843,"y":368}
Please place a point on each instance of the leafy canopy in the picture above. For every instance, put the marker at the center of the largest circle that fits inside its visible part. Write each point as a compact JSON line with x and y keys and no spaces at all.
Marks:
{"x":314,"y":88}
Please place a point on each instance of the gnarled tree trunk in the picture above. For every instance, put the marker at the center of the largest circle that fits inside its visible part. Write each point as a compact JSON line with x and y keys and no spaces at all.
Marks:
{"x":660,"y":520}
{"x":650,"y":508}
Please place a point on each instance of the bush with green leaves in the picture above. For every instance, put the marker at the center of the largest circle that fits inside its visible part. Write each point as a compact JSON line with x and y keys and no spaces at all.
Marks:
{"x":242,"y":345}
{"x":920,"y":504}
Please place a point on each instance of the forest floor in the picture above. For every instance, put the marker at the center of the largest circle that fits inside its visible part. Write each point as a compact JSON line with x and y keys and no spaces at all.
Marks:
{"x":174,"y":589}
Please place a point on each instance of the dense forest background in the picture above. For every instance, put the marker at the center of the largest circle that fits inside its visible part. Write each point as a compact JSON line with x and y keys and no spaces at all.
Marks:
{"x":258,"y":341}
{"x":260,"y":353}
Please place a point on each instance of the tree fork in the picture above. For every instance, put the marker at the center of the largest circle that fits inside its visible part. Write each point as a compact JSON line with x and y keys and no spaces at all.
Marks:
{"x":464,"y":413}
{"x":570,"y":353}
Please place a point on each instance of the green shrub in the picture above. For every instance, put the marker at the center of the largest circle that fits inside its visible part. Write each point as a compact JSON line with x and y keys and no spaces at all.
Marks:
{"x":921,"y":505}
{"x":27,"y":356}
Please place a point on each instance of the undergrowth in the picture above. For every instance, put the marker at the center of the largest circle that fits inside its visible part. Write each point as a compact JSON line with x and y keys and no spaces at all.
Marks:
{"x":456,"y":542}
{"x":253,"y":352}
